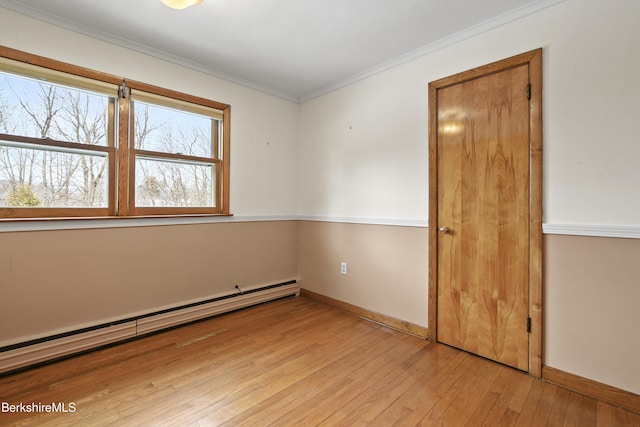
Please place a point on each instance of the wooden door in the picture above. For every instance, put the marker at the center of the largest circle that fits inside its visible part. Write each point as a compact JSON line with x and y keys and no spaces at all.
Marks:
{"x":483,"y":214}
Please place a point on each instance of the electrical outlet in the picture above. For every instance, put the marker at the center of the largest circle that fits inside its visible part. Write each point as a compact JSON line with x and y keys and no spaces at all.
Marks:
{"x":343,"y":268}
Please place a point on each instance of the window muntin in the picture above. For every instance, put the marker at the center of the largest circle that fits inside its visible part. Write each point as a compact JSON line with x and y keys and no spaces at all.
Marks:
{"x":83,"y":129}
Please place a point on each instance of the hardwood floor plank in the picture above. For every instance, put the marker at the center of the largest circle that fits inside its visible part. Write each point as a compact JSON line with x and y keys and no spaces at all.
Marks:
{"x":559,"y":409}
{"x":427,"y":386}
{"x":510,"y":403}
{"x":605,"y":415}
{"x":279,"y":380}
{"x":469,"y":396}
{"x":528,"y":415}
{"x":336,"y":381}
{"x":293,"y":362}
{"x":235,"y":375}
{"x":385,"y":387}
{"x":197,"y":382}
{"x":491,"y":397}
{"x":622,"y":417}
{"x":587,"y":415}
{"x":545,"y":405}
{"x":430,"y":397}
{"x":281,"y":373}
{"x":611,"y":416}
{"x":381,"y":384}
{"x":359,"y":375}
{"x":571,"y":417}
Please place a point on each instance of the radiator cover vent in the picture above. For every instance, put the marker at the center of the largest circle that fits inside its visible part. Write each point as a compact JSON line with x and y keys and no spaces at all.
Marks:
{"x":18,"y":356}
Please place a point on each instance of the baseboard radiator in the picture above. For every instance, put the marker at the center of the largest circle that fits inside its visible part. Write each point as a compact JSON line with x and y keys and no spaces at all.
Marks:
{"x":18,"y":356}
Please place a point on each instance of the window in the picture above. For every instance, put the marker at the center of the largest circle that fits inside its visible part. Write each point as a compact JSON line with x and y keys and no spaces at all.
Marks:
{"x":78,"y":143}
{"x":176,"y":155}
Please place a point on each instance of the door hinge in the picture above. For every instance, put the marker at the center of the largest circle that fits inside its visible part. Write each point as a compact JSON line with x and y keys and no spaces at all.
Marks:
{"x":529,"y":324}
{"x":529,"y":91}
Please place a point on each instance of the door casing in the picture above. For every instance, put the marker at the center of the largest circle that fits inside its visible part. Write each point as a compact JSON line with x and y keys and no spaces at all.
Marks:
{"x":534,"y":61}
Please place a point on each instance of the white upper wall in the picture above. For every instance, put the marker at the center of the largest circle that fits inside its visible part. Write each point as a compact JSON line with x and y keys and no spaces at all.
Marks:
{"x":264,"y":129}
{"x":363,"y":150}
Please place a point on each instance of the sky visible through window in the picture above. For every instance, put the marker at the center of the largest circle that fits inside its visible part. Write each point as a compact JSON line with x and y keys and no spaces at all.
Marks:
{"x":42,"y":176}
{"x":40,"y":109}
{"x":45,"y":176}
{"x":173,"y":182}
{"x":172,"y":131}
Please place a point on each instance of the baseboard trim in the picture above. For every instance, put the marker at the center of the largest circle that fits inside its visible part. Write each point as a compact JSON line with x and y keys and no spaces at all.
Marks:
{"x":606,"y":393}
{"x":391,"y":322}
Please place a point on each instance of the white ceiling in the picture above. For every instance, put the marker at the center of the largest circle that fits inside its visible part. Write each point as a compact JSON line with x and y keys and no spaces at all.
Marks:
{"x":295,"y":49}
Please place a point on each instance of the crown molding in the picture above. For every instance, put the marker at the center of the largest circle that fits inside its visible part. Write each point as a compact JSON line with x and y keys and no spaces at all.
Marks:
{"x":18,"y":7}
{"x":475,"y":30}
{"x":467,"y":33}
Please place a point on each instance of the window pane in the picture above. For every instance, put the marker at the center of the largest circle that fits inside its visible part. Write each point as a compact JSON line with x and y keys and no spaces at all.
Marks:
{"x":161,"y":183}
{"x":44,"y":178}
{"x":173,"y":131}
{"x":38,"y":109}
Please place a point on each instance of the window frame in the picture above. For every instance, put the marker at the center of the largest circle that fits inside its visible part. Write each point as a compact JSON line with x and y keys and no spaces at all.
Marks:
{"x":216,"y":158}
{"x":120,"y":150}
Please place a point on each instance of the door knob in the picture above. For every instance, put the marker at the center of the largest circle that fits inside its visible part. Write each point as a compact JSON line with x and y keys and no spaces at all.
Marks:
{"x":444,"y":230}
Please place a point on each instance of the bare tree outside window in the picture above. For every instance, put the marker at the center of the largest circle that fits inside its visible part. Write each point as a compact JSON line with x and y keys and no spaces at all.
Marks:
{"x":173,"y":182}
{"x":81,"y":143}
{"x":56,"y":177}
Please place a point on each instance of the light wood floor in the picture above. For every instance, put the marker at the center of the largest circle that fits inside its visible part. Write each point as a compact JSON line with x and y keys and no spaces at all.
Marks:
{"x":294,"y":362}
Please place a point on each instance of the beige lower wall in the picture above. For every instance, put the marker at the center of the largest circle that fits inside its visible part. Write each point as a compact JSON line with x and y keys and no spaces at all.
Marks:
{"x":387,"y":266}
{"x":52,"y":281}
{"x":591,"y":290}
{"x":591,"y":308}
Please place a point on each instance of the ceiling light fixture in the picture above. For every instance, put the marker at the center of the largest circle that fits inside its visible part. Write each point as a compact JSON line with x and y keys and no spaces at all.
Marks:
{"x":181,"y":4}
